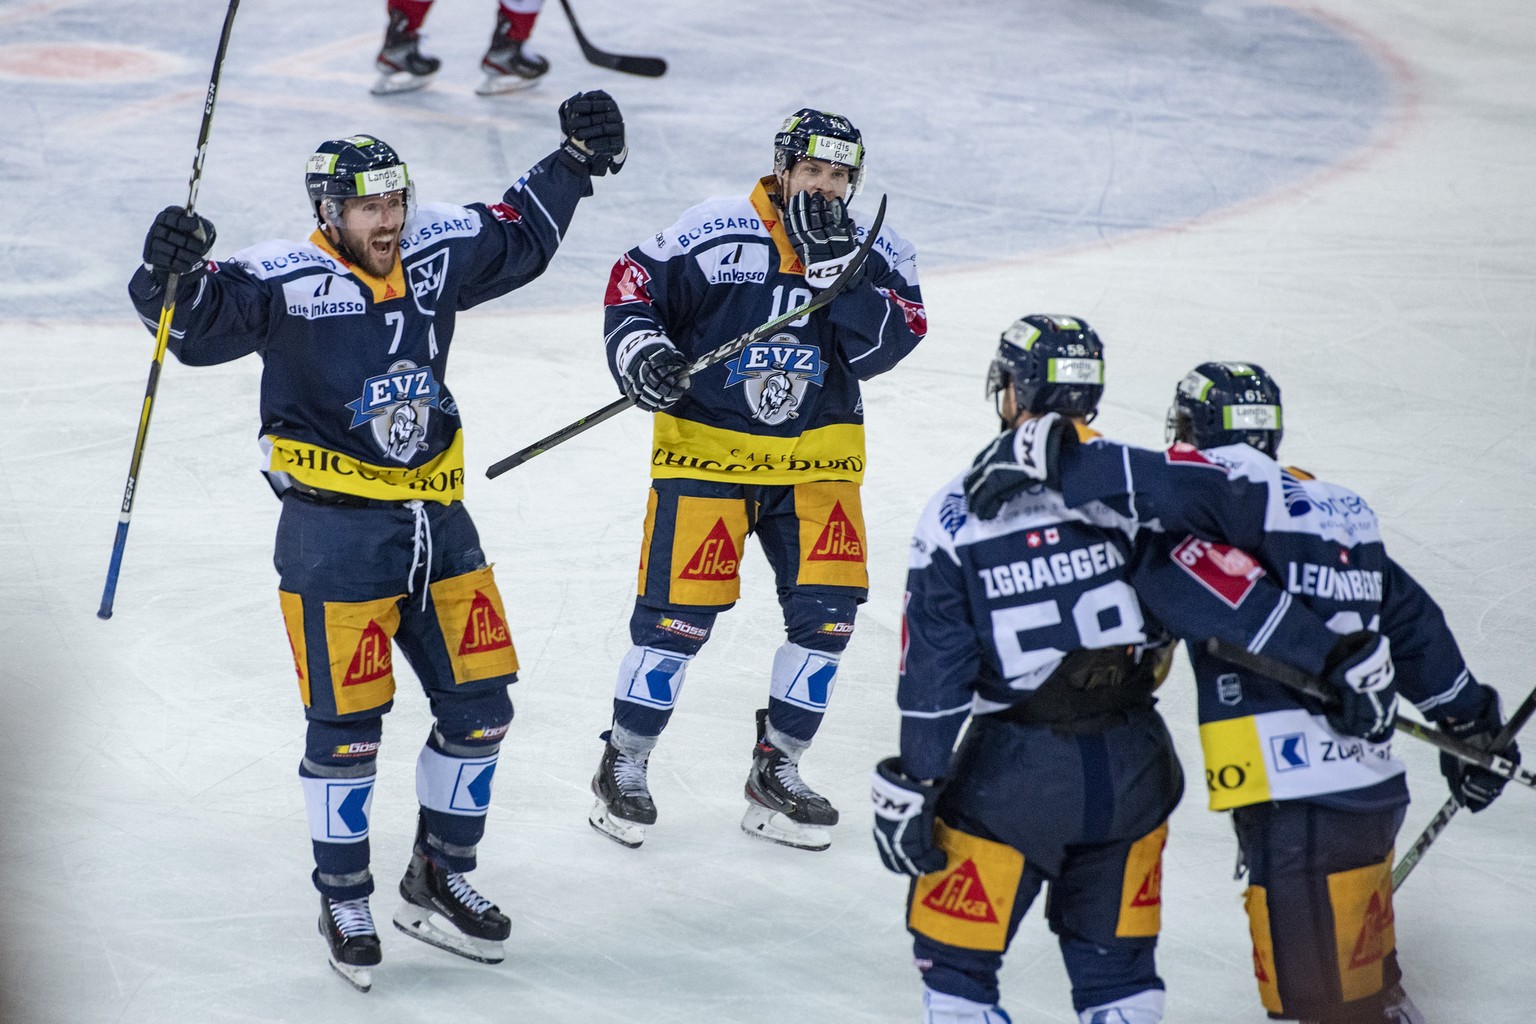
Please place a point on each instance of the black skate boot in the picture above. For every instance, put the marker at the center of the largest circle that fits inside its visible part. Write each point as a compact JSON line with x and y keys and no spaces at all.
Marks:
{"x":401,"y":64}
{"x":780,"y":806}
{"x":347,"y":927}
{"x":442,"y":909}
{"x":509,"y":65}
{"x":624,"y":806}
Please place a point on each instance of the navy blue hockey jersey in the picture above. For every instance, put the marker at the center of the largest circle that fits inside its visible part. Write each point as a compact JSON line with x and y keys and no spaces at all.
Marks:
{"x":992,"y":608}
{"x":1322,"y":543}
{"x":788,"y":409}
{"x":353,"y":397}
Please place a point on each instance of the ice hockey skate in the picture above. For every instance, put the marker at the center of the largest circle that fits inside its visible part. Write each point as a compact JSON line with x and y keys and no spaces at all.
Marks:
{"x":401,"y":64}
{"x":442,"y":909}
{"x":347,"y":927}
{"x":781,"y":808}
{"x":509,"y":65}
{"x":624,"y":807}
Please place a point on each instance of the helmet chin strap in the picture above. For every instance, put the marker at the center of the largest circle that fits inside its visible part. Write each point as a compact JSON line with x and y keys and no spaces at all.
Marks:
{"x":333,"y":233}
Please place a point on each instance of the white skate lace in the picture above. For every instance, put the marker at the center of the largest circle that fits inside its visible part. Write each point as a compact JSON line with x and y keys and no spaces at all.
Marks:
{"x":788,"y":774}
{"x":352,"y":917}
{"x":465,"y":893}
{"x":629,"y":774}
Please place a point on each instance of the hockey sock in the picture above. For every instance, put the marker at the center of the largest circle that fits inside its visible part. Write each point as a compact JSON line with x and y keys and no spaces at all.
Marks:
{"x":521,"y":14}
{"x":415,"y":12}
{"x":338,"y":772}
{"x":453,"y":785}
{"x":800,"y":689}
{"x":647,"y":687}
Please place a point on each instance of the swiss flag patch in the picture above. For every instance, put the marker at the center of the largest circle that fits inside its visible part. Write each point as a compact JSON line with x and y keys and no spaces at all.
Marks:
{"x":1227,"y":572}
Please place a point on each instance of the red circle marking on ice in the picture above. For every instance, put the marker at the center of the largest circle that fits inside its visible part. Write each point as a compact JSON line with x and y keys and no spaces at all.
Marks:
{"x":70,"y":63}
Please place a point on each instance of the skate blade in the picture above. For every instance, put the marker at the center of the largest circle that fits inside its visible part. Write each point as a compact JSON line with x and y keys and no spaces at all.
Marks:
{"x":421,"y":924}
{"x":497,"y":85}
{"x":764,"y":823}
{"x":400,"y":81}
{"x":625,"y":833}
{"x":360,"y":978}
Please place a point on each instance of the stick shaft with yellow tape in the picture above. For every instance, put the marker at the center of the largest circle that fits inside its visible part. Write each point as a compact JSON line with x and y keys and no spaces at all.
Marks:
{"x":162,"y":334}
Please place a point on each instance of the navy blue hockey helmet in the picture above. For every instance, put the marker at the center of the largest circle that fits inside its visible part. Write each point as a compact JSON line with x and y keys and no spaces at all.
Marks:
{"x":822,"y":136}
{"x":1053,"y":364}
{"x":359,"y":165}
{"x":1227,"y":403}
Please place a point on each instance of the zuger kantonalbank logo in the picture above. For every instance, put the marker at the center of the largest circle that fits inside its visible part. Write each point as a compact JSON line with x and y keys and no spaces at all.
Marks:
{"x":777,"y":374}
{"x":397,"y":406}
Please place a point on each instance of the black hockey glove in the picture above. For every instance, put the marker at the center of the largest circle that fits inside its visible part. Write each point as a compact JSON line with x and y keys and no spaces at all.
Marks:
{"x":594,"y":132}
{"x":653,"y":371}
{"x":1360,"y":667}
{"x":1475,"y":787}
{"x":1016,"y":460}
{"x":178,"y":242}
{"x":904,"y":815}
{"x":823,"y":235}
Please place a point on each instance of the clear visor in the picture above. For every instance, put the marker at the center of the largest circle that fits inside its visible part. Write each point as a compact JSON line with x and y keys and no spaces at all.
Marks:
{"x":366,"y":211}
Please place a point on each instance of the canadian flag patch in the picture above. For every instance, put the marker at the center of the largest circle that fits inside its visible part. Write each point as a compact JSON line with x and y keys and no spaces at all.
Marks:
{"x":1225,"y":571}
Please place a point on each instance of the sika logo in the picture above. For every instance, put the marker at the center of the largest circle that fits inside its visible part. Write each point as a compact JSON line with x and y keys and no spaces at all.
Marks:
{"x":371,"y":661}
{"x":716,"y":558}
{"x":485,"y":631}
{"x":839,"y":542}
{"x":1370,"y":945}
{"x":1151,"y":892}
{"x":962,"y":895}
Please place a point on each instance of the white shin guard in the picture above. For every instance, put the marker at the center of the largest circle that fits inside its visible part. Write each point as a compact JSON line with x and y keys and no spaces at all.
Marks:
{"x":943,"y":1008}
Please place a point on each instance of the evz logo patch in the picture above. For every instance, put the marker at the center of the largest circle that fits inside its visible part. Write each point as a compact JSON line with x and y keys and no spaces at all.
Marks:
{"x":426,"y":281}
{"x":777,"y":374}
{"x":397,"y":406}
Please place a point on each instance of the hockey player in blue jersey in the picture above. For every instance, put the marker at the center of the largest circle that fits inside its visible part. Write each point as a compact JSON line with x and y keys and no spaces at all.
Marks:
{"x":768,"y":443}
{"x":1035,"y":623}
{"x":1316,"y":809}
{"x":362,"y":443}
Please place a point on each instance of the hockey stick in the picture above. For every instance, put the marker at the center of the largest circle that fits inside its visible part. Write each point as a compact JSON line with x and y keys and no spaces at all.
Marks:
{"x":1443,"y":817}
{"x":1301,"y":682}
{"x":710,"y":358}
{"x":646,"y":67}
{"x":163,"y":331}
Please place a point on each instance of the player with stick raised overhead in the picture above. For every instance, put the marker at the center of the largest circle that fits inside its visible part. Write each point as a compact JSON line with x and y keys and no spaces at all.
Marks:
{"x":363,"y":445}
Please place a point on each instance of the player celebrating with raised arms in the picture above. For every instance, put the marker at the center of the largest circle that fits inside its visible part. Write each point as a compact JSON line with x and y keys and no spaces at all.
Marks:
{"x":770,"y":443}
{"x":363,"y":446}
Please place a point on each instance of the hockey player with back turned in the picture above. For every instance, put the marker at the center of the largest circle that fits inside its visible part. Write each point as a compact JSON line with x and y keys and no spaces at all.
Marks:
{"x":364,"y":448}
{"x":508,"y":63}
{"x":1316,"y":798}
{"x":1034,"y":620}
{"x":770,"y":443}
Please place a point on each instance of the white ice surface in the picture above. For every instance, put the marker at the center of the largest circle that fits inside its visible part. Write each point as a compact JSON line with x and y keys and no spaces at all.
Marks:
{"x":1340,"y":194}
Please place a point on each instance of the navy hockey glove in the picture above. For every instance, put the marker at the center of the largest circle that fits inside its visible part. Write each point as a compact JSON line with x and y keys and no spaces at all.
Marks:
{"x":1360,"y":667}
{"x":1019,"y":459}
{"x":594,"y":132}
{"x":1475,"y":787}
{"x":823,"y":235}
{"x":653,"y":371}
{"x":904,"y":814}
{"x":178,"y":242}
